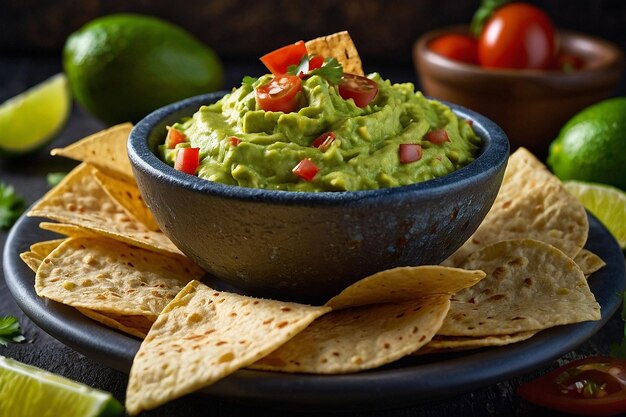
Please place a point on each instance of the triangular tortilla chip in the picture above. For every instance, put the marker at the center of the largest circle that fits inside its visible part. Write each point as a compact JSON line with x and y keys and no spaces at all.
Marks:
{"x":382,"y":318}
{"x":128,"y":196}
{"x":112,"y":277}
{"x":529,"y":286}
{"x":338,"y":45}
{"x":457,"y":343}
{"x":531,"y":204}
{"x":588,"y":262}
{"x":134,"y":325}
{"x":79,"y":200}
{"x":105,"y":149}
{"x":204,"y":335}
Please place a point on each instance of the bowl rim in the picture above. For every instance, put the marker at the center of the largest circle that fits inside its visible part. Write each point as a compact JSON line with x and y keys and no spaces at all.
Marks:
{"x":421,"y":52}
{"x":493,"y":155}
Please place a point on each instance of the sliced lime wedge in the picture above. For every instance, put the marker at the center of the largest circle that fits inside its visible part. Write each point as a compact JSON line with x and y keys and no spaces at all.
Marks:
{"x":607,"y":203}
{"x":32,"y":118}
{"x":27,"y":391}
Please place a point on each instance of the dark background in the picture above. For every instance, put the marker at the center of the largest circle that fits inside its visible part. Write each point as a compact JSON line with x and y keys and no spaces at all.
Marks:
{"x":383,"y":30}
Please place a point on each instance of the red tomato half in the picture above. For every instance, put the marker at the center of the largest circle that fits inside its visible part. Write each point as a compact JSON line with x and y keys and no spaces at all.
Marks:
{"x":517,"y":35}
{"x":187,"y":160}
{"x":360,"y":89}
{"x":594,"y":386}
{"x":280,"y":94}
{"x":279,"y":60}
{"x":460,"y":48}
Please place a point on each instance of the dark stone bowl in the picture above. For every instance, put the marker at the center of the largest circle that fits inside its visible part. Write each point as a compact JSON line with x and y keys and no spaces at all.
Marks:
{"x":308,"y":246}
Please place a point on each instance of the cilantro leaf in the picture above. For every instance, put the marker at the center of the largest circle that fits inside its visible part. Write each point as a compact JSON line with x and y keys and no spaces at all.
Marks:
{"x":302,"y":67}
{"x":248,"y":80}
{"x":10,"y":331}
{"x":11,"y":206}
{"x":332,"y":70}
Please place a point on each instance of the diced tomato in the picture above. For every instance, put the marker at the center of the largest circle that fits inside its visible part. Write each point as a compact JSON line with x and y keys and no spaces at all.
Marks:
{"x":316,"y":62}
{"x":305,"y":169}
{"x":323,"y":141}
{"x":470,"y":122}
{"x":187,"y":160}
{"x":280,"y":59}
{"x":174,"y":137}
{"x":409,"y":152}
{"x":594,"y":386}
{"x":280,"y":94}
{"x":234,"y":141}
{"x":437,"y":136}
{"x":360,"y":89}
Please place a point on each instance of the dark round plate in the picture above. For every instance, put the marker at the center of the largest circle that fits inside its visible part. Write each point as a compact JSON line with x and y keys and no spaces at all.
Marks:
{"x":408,"y":381}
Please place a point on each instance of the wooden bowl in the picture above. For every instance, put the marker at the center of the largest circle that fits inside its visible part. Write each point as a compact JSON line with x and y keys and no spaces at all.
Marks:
{"x":529,"y":105}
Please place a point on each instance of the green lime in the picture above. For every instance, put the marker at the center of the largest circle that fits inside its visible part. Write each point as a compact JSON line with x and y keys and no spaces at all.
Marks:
{"x":27,"y":391}
{"x":31,"y":119}
{"x":121,"y":67}
{"x":607,"y":203}
{"x":590,"y":147}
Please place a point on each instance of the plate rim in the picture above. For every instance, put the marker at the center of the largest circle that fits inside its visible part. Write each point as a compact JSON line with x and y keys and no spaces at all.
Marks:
{"x":406,"y":382}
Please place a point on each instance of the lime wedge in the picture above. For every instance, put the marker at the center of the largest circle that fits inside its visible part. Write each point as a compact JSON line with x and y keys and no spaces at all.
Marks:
{"x":32,"y":118}
{"x":27,"y":391}
{"x":607,"y":203}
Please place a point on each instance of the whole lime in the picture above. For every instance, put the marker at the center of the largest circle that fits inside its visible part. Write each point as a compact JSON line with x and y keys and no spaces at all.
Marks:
{"x":592,"y":145}
{"x":121,"y":67}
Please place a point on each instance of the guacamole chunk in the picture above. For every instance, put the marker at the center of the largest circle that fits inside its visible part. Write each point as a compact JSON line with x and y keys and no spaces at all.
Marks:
{"x":243,"y":145}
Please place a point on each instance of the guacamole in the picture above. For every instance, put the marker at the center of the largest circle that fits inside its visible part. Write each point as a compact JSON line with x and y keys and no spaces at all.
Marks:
{"x":240,"y":144}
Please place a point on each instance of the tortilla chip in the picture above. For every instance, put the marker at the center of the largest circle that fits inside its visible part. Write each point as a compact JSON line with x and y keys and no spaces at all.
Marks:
{"x":588,"y":262}
{"x":338,"y":45}
{"x":32,"y":259}
{"x":137,"y":326}
{"x":105,"y":149}
{"x":530,"y":286}
{"x":384,"y":317}
{"x":44,"y":248}
{"x":112,"y":277}
{"x":128,"y":196}
{"x":359,"y":338}
{"x":405,"y":284}
{"x":441,"y":344}
{"x":531,"y":204}
{"x":204,"y":335}
{"x":79,"y":200}
{"x":69,"y":230}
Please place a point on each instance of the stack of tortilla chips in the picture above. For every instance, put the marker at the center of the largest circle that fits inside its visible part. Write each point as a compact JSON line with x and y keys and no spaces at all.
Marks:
{"x":519,"y":273}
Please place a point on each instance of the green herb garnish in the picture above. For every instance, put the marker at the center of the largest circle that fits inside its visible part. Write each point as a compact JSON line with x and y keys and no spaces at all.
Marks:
{"x":484,"y":12}
{"x":10,"y":331}
{"x":332,"y":70}
{"x":11,"y":206}
{"x":249,"y":80}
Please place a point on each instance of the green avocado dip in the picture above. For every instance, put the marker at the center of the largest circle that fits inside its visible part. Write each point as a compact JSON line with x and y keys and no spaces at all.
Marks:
{"x":396,"y":139}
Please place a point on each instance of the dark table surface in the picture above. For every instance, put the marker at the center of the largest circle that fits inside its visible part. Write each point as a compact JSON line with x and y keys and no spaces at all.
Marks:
{"x":28,"y":176}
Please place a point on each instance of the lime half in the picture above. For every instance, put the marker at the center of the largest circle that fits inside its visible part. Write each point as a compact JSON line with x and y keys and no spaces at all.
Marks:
{"x":32,"y":118}
{"x":27,"y":391}
{"x":607,"y":203}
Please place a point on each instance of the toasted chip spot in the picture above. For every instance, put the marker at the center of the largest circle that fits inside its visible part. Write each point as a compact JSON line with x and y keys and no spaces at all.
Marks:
{"x":68,"y":285}
{"x":227,"y":357}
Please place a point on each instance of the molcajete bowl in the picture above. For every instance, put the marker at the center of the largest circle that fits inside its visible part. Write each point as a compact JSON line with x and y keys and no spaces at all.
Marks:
{"x":308,"y":246}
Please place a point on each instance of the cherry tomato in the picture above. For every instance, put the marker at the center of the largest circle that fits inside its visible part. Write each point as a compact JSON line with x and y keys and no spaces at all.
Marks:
{"x":323,"y":141}
{"x":360,"y":89}
{"x":437,"y":136}
{"x":279,"y":60}
{"x":187,"y":160}
{"x":409,"y":152}
{"x":460,"y":48}
{"x":518,"y":35}
{"x":280,"y":94}
{"x":174,"y":137}
{"x":306,"y":169}
{"x":594,"y":386}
